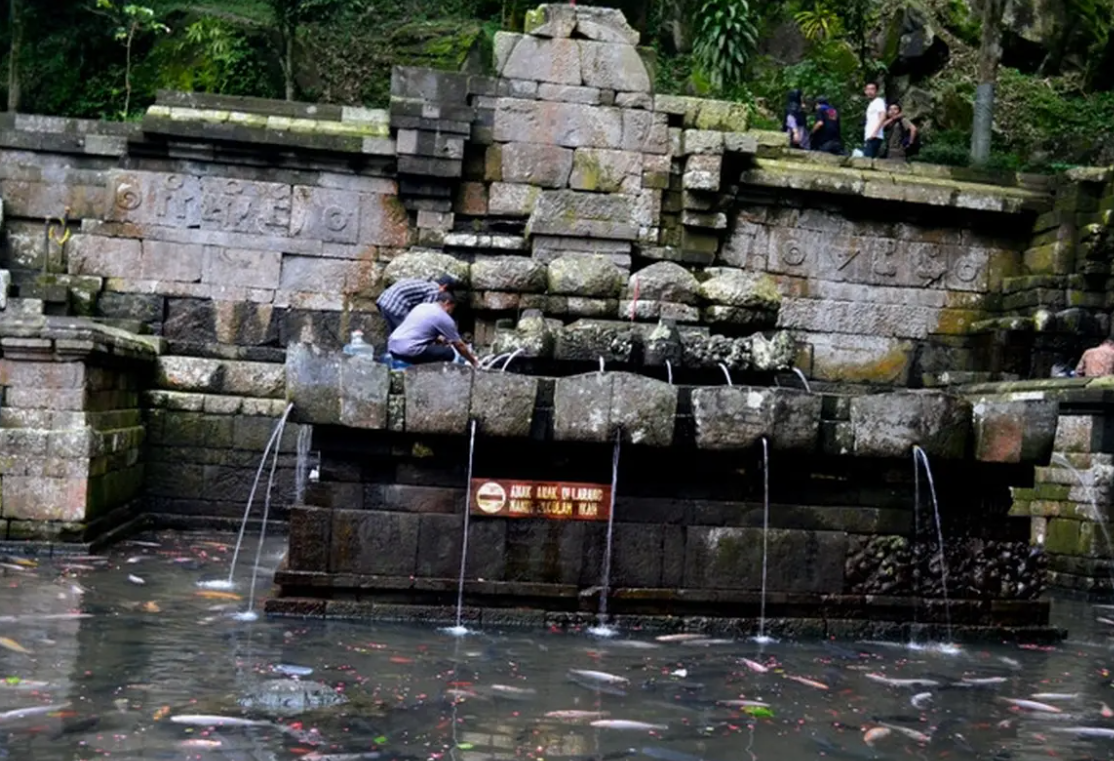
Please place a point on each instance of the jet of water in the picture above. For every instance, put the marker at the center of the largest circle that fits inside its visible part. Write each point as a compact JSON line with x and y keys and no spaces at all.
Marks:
{"x":1089,"y":484}
{"x":250,"y":614}
{"x":602,"y":629}
{"x":922,"y":456}
{"x":726,"y":373}
{"x":251,"y":498}
{"x":514,"y":354}
{"x":459,"y":629}
{"x":762,"y":638}
{"x":804,"y":380}
{"x":602,"y":367}
{"x":301,"y":469}
{"x":669,"y":371}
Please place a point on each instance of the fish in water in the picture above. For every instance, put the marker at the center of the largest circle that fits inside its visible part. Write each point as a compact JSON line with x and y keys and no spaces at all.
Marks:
{"x":29,"y":713}
{"x":875,"y":734}
{"x":601,"y":677}
{"x":627,"y":724}
{"x":204,"y":720}
{"x":1104,"y":732}
{"x":912,"y":734}
{"x":1055,"y":696}
{"x":891,"y":682}
{"x":575,"y":715}
{"x":679,"y":637}
{"x":754,"y":666}
{"x":15,"y":647}
{"x":920,"y":700}
{"x":1032,"y":705}
{"x":136,"y":580}
{"x":807,"y":682}
{"x":291,"y":670}
{"x":210,"y":594}
{"x":708,"y":642}
{"x":507,"y":691}
{"x":744,"y":703}
{"x":984,"y":680}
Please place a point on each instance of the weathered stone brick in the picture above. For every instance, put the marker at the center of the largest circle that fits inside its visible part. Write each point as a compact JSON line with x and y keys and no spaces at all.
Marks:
{"x":106,"y":257}
{"x":161,"y":260}
{"x":242,"y":267}
{"x":571,"y":125}
{"x":546,"y":166}
{"x":613,"y":66}
{"x":544,"y":60}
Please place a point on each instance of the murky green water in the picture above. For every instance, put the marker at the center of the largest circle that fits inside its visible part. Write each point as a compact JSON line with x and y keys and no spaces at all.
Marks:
{"x":114,"y":683}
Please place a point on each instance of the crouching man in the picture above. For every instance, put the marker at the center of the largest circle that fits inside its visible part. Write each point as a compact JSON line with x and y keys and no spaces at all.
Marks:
{"x":429,"y":334}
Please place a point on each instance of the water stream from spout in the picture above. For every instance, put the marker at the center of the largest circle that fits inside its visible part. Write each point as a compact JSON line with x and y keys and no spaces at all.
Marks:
{"x":922,"y":456}
{"x":229,"y":583}
{"x":301,"y":468}
{"x":601,"y":629}
{"x":726,"y":373}
{"x":602,"y":366}
{"x":1088,"y":482}
{"x":669,"y":371}
{"x":804,"y":380}
{"x":762,"y":638}
{"x":459,"y":629}
{"x":250,"y":614}
{"x":514,"y":354}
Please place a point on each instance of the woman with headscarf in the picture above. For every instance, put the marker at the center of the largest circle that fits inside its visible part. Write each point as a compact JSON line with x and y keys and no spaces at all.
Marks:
{"x":794,"y":123}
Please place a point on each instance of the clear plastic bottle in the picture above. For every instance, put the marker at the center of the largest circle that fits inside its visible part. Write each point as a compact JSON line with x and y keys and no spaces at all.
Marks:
{"x":358,"y":347}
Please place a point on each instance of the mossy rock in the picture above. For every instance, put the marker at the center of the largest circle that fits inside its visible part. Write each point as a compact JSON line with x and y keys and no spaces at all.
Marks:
{"x":954,"y":110}
{"x":452,"y":45}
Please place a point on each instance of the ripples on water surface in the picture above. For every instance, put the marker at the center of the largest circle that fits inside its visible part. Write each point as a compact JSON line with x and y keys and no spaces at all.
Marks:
{"x":157,"y":649}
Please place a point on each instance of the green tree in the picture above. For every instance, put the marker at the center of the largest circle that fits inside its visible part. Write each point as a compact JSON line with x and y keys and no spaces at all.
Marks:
{"x":131,"y":21}
{"x":725,"y":39}
{"x":289,"y":15}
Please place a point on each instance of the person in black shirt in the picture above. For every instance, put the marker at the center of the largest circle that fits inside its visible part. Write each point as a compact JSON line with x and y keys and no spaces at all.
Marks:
{"x":826,"y":134}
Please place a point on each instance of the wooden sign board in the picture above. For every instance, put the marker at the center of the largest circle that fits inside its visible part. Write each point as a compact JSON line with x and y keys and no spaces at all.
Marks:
{"x":556,"y":500}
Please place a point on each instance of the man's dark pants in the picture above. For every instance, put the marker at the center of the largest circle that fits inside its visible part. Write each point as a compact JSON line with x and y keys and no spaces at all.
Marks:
{"x":393,"y":321}
{"x":873,"y":148}
{"x":431,"y":353}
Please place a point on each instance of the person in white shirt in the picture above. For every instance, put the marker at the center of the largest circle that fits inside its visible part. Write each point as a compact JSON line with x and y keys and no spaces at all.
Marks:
{"x":875,"y":118}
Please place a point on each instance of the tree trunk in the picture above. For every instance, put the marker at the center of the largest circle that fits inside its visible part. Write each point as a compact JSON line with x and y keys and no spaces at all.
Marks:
{"x":990,"y":53}
{"x":128,"y":71}
{"x":14,"y":53}
{"x":288,"y":58}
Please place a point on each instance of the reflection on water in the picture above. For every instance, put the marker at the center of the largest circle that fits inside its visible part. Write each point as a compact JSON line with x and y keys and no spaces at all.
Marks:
{"x":96,"y":665}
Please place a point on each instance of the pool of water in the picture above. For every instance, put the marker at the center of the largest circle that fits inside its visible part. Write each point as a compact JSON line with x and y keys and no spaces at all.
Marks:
{"x":127,"y":657}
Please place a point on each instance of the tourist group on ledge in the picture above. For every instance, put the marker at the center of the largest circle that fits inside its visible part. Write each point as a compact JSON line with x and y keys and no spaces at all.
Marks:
{"x":887,"y":133}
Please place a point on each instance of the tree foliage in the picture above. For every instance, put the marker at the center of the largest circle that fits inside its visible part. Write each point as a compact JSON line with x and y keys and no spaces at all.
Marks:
{"x":725,"y":39}
{"x":131,"y":21}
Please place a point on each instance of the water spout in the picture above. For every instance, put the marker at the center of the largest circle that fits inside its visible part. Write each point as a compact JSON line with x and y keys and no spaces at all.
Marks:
{"x":919,"y":455}
{"x":601,"y":366}
{"x":488,"y":363}
{"x":726,"y":373}
{"x":669,"y":371}
{"x":272,"y":442}
{"x":514,"y":354}
{"x":804,"y":380}
{"x":762,"y":638}
{"x":601,"y":629}
{"x":250,"y":614}
{"x":459,"y":630}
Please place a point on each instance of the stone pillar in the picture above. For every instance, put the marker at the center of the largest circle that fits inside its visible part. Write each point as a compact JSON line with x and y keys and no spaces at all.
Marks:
{"x":71,"y":428}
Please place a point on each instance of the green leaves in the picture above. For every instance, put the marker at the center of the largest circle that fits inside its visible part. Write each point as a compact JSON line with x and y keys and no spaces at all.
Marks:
{"x":819,"y":23}
{"x":725,"y":38}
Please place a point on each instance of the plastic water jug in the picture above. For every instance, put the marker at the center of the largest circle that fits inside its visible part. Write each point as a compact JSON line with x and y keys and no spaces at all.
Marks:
{"x":358,"y":347}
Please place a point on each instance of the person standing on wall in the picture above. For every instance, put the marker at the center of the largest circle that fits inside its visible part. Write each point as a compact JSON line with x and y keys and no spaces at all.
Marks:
{"x":1098,"y":361}
{"x":875,"y":119}
{"x":899,"y":133}
{"x":795,"y":123}
{"x":429,"y":334}
{"x":400,"y":299}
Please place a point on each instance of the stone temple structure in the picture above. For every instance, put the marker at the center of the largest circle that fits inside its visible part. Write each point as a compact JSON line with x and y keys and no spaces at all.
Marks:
{"x":170,"y":287}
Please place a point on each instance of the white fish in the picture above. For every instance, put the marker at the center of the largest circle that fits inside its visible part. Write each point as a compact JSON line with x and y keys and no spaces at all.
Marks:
{"x":1106,"y":621}
{"x":912,"y":734}
{"x":204,"y":720}
{"x":640,"y":726}
{"x":984,"y":680}
{"x":921,"y":699}
{"x":678,"y":637}
{"x":506,"y":689}
{"x":1032,"y":705}
{"x":136,"y":580}
{"x":599,"y":676}
{"x":13,"y":567}
{"x":1055,"y":696}
{"x":891,"y":682}
{"x":575,"y":715}
{"x":744,"y":703}
{"x":26,"y":713}
{"x":136,"y":559}
{"x":46,"y":617}
{"x":753,"y":665}
{"x":1085,"y":731}
{"x":702,"y":642}
{"x":634,"y":644}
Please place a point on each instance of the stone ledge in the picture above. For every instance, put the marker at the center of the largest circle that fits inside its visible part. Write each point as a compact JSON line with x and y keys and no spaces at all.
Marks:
{"x":69,"y":339}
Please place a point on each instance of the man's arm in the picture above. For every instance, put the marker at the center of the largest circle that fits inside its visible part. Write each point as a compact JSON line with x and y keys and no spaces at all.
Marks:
{"x":912,"y":131}
{"x":466,"y":352}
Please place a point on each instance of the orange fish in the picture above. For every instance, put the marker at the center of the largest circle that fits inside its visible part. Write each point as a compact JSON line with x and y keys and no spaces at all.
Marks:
{"x":209,"y":594}
{"x":161,"y":713}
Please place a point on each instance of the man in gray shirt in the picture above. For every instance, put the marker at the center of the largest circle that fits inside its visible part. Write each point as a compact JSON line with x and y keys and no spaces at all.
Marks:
{"x":428,"y":334}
